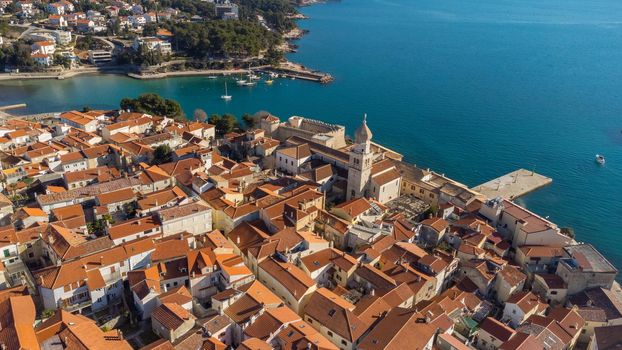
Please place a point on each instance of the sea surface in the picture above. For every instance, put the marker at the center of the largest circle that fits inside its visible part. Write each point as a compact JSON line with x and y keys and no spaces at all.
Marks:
{"x":473,"y":89}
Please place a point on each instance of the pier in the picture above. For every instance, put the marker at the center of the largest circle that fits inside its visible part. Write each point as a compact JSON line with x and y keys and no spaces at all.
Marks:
{"x":9,"y":107}
{"x":296,"y":71}
{"x":513,"y":185}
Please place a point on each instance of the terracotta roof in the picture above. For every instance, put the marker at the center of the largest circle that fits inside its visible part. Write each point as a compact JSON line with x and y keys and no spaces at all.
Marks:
{"x":400,"y":329}
{"x":170,"y":249}
{"x":386,"y":177}
{"x":294,"y":280}
{"x":513,"y":276}
{"x":78,"y":332}
{"x":17,"y":315}
{"x":122,"y":195}
{"x":526,"y":301}
{"x":161,"y":198}
{"x":297,"y":152}
{"x":522,"y":341}
{"x":355,"y":207}
{"x":270,"y":322}
{"x":437,"y":224}
{"x":496,"y":329}
{"x":133,"y":226}
{"x":101,"y":174}
{"x":336,"y":314}
{"x":254,"y":344}
{"x":243,"y":309}
{"x":321,"y":258}
{"x":171,"y":315}
{"x":179,"y":295}
{"x":71,"y":157}
{"x":161,"y":344}
{"x":77,"y":117}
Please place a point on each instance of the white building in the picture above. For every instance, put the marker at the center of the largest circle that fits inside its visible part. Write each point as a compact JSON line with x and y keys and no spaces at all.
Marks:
{"x":153,"y":44}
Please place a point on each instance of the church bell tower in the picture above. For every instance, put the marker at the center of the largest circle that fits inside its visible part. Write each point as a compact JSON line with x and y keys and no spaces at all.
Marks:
{"x":360,"y":162}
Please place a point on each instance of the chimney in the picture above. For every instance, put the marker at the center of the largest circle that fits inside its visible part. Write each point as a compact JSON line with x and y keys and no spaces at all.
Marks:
{"x":372,"y":292}
{"x":238,"y":239}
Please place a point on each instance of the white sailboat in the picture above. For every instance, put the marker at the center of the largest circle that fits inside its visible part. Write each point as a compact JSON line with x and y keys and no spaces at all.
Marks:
{"x":226,"y":96}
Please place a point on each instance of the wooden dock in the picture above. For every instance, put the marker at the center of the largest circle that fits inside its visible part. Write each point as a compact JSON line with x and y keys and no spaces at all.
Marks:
{"x":513,"y":185}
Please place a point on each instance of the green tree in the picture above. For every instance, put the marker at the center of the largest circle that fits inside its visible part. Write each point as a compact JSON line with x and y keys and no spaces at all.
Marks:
{"x":113,"y":27}
{"x":16,"y":55}
{"x":274,"y":56}
{"x":218,"y":38}
{"x":250,"y":121}
{"x":200,"y":115}
{"x":149,"y":57}
{"x":98,"y":227}
{"x":154,"y":104}
{"x":162,"y":154}
{"x":130,"y":210}
{"x":62,"y":61}
{"x":150,"y":29}
{"x":224,"y":124}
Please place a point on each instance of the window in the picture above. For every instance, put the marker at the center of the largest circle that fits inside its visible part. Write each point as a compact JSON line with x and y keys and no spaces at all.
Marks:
{"x":330,"y":334}
{"x":6,"y":253}
{"x":344,"y":342}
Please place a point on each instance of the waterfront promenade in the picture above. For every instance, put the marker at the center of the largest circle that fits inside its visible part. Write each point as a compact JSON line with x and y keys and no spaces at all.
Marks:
{"x":513,"y":185}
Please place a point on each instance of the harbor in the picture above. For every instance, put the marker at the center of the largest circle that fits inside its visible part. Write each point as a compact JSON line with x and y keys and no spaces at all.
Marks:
{"x":513,"y":185}
{"x":295,"y":71}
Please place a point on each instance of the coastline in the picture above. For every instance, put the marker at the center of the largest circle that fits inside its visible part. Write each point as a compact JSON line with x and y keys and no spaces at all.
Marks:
{"x":130,"y":71}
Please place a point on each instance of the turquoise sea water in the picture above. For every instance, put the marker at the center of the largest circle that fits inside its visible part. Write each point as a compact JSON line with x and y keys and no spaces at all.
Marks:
{"x":473,"y":89}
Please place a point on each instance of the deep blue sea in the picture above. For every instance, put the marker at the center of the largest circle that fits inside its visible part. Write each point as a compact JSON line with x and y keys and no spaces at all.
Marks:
{"x":473,"y":89}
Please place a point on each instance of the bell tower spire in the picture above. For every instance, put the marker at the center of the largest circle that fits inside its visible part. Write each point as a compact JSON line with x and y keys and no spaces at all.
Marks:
{"x":360,"y":162}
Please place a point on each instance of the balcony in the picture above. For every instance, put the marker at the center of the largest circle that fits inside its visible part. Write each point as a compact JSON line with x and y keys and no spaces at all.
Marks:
{"x":71,"y":305}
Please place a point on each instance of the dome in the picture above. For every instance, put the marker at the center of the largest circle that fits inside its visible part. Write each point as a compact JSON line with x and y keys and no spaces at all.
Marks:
{"x":363,"y":134}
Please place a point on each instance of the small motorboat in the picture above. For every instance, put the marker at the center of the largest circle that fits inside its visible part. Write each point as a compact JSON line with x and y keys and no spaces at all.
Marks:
{"x":212,"y":77}
{"x":241,"y":82}
{"x":269,"y":81}
{"x":600,"y":159}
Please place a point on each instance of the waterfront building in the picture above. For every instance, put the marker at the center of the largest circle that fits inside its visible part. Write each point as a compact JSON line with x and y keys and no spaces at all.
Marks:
{"x":151,"y":44}
{"x":584,"y":267}
{"x":98,"y":57}
{"x":330,"y":135}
